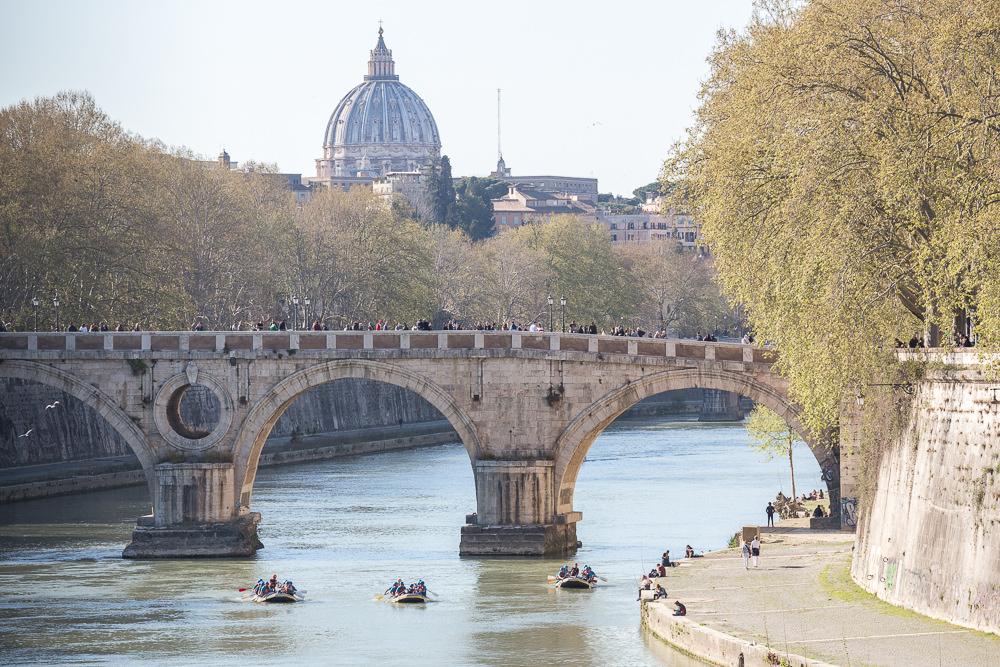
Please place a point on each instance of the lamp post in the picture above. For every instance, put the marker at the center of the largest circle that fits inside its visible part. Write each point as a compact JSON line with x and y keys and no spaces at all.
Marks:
{"x":295,"y":312}
{"x":562,"y":305}
{"x":34,"y":302}
{"x":55,"y":302}
{"x":550,"y":311}
{"x":305,"y":313}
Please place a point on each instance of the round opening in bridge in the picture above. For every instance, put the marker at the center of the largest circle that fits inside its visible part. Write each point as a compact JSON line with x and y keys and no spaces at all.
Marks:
{"x":193,"y":411}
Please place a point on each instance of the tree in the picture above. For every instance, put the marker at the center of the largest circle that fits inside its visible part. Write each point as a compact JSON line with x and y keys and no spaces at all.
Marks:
{"x":772,"y":436}
{"x":472,"y":212}
{"x":440,"y":189}
{"x":640,"y":193}
{"x":510,"y":279}
{"x":366,"y":261}
{"x":493,"y":188}
{"x":844,"y":164}
{"x":585,"y":269}
{"x":677,"y":290}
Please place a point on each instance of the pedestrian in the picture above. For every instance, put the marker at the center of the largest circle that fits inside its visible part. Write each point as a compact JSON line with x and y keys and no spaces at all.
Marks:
{"x":746,"y":555}
{"x":770,"y":514}
{"x":755,"y":550}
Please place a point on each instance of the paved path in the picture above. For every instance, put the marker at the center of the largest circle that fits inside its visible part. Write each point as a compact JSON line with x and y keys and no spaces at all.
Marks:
{"x":800,"y":599}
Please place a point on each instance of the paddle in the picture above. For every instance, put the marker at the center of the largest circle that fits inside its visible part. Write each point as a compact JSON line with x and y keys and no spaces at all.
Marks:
{"x":429,"y":591}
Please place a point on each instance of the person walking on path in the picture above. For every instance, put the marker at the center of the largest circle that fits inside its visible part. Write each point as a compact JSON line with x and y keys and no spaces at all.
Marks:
{"x":755,"y":550}
{"x":746,"y":555}
{"x":770,"y":514}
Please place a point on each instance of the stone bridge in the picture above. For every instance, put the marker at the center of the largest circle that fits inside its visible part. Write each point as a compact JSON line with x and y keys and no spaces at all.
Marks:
{"x":527,"y":406}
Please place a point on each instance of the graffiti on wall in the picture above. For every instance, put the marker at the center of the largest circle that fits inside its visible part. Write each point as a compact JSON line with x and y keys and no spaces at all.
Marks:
{"x":849,"y":511}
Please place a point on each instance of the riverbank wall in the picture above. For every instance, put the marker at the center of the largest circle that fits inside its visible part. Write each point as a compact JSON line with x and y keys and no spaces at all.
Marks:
{"x":714,"y":647}
{"x":34,"y":482}
{"x":929,"y":538}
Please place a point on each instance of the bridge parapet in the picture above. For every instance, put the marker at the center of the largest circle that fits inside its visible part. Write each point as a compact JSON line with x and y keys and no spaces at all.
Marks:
{"x":245,"y":343}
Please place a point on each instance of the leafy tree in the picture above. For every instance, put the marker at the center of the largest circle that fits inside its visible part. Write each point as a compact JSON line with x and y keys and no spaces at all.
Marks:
{"x":493,"y":188}
{"x":440,"y":189}
{"x":844,"y":166}
{"x":365,"y":261}
{"x":677,"y":290}
{"x":585,"y":269}
{"x":472,"y":212}
{"x":510,"y":279}
{"x":640,"y":193}
{"x":771,"y":435}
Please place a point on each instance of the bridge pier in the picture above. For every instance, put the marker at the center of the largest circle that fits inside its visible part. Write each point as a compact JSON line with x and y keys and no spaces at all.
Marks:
{"x":516,"y":512}
{"x":193,"y":516}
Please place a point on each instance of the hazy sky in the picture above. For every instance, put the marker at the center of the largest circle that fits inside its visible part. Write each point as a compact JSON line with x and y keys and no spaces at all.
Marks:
{"x":589,"y":88}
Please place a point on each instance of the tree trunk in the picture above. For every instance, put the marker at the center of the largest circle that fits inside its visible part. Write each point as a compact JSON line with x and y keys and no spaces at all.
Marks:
{"x":791,"y":465}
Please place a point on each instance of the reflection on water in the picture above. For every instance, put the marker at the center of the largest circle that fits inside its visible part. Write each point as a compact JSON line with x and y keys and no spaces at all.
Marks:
{"x":344,"y":529}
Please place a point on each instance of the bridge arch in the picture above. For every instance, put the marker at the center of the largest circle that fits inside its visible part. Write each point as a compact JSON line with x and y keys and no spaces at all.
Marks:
{"x":577,"y":438}
{"x":265,"y":413}
{"x":93,"y":398}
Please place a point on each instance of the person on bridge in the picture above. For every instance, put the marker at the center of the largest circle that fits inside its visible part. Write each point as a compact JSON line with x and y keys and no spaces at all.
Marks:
{"x":770,"y":514}
{"x":681,"y":609}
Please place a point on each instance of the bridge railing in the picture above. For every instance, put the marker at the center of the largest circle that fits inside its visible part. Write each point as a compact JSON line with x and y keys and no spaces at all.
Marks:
{"x":235,"y":341}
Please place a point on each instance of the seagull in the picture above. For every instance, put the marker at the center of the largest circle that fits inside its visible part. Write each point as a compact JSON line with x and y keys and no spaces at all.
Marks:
{"x":25,"y":435}
{"x":52,"y":406}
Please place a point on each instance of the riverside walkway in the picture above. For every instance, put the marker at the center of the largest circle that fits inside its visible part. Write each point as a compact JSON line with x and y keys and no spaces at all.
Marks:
{"x":800,"y":605}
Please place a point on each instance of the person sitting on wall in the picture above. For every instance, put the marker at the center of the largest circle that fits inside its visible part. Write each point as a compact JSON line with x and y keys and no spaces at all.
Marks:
{"x":818,"y":512}
{"x":644,"y":585}
{"x":659,"y":593}
{"x":689,"y":552}
{"x":681,"y":609}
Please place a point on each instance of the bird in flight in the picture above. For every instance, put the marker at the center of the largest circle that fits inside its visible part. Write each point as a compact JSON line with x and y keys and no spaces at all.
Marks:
{"x":25,"y":435}
{"x":54,"y":404}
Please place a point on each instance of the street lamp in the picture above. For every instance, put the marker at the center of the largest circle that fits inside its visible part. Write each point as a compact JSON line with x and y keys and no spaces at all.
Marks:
{"x":551,"y":301}
{"x":562,"y":305}
{"x":34,"y":302}
{"x":295,"y":311}
{"x":305,"y":313}
{"x":55,"y":302}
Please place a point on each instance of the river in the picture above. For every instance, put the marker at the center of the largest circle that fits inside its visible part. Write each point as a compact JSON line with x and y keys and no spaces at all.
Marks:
{"x":344,"y":529}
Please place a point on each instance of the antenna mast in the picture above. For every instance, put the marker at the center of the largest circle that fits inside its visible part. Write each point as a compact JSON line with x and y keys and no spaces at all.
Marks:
{"x":499,"y":152}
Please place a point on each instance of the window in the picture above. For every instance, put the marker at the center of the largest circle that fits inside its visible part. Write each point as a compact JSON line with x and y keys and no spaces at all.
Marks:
{"x":503,"y":219}
{"x":516,"y":220}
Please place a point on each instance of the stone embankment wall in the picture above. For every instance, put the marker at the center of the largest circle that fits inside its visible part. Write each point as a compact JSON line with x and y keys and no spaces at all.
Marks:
{"x":931,"y":538}
{"x":712,"y":646}
{"x":72,"y":432}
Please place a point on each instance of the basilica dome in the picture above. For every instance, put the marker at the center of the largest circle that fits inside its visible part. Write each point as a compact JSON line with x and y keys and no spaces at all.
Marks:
{"x":379,"y":126}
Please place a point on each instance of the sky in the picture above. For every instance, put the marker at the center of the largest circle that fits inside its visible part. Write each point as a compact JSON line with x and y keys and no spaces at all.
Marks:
{"x":598,"y":89}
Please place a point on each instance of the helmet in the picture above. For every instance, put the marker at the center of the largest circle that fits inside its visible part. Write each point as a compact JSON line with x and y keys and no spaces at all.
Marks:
{"x":289,"y":582}
{"x":421,"y":581}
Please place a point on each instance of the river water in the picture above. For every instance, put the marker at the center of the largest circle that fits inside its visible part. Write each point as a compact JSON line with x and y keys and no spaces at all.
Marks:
{"x":344,"y":529}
